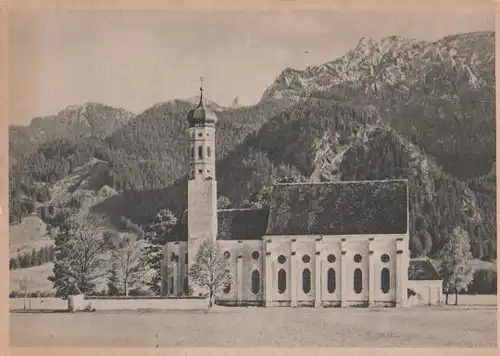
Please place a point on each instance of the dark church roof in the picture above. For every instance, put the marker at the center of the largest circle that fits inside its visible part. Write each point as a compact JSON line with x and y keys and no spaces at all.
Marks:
{"x":339,"y":208}
{"x":422,"y":270}
{"x":233,"y":224}
{"x":242,"y":224}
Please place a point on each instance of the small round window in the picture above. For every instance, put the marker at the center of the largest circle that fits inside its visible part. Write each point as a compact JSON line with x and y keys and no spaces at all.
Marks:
{"x":331,"y":258}
{"x":200,"y":134}
{"x":385,"y":258}
{"x":227,"y":255}
{"x":281,"y":259}
{"x":255,"y":255}
{"x":357,"y":258}
{"x":306,"y":259}
{"x":173,"y":257}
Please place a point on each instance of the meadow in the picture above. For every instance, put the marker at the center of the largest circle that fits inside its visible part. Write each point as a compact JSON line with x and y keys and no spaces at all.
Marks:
{"x":462,"y":326}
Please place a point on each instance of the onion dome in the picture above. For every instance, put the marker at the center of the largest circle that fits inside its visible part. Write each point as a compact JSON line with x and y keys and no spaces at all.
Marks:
{"x":201,"y":115}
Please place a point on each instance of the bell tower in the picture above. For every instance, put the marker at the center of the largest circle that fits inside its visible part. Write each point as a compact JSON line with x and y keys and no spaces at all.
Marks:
{"x":202,"y":184}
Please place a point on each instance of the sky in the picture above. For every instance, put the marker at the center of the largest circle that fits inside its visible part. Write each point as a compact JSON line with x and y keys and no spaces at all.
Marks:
{"x":134,"y":59}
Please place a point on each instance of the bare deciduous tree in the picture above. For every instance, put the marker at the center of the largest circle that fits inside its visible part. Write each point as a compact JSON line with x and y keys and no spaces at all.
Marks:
{"x":125,"y":260}
{"x":210,"y":270}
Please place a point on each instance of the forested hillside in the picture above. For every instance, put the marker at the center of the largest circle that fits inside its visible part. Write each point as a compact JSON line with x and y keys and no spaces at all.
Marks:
{"x":396,"y":108}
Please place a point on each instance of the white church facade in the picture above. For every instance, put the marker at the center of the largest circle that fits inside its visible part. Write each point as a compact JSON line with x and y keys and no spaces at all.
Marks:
{"x":333,"y":244}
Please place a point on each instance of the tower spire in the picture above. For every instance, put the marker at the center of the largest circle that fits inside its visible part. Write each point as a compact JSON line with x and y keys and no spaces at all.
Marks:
{"x":201,"y":91}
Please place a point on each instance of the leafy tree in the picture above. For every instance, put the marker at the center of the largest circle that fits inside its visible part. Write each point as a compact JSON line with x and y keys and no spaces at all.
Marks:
{"x":13,"y":263}
{"x":78,"y":256}
{"x":223,"y":202}
{"x":456,"y":263}
{"x":210,"y":270}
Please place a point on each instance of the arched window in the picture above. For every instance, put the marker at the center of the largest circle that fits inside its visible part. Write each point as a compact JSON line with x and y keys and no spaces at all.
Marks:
{"x":200,"y":152}
{"x":171,"y":286}
{"x":385,"y":280}
{"x":192,"y":152}
{"x":281,"y":281}
{"x":358,"y":281}
{"x":331,"y":282}
{"x":186,"y":258}
{"x":227,"y":287}
{"x":306,"y":280}
{"x":208,"y":151}
{"x":186,"y":286}
{"x":255,"y":282}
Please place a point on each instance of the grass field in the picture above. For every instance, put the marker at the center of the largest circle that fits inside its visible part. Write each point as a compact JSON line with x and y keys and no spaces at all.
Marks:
{"x":262,"y":327}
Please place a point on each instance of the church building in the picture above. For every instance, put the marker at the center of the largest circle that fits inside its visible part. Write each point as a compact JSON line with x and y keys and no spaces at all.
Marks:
{"x":333,"y":244}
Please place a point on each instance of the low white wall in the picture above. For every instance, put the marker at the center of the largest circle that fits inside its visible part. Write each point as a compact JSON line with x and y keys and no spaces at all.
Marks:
{"x":79,"y":303}
{"x":38,"y":304}
{"x":428,"y":292}
{"x":157,"y":304}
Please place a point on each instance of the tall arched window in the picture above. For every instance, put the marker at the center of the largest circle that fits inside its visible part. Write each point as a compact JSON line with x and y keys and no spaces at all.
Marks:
{"x":200,"y":152}
{"x":208,"y":151}
{"x":255,"y":282}
{"x":186,"y":258}
{"x":385,"y":280}
{"x":331,"y":283}
{"x":186,"y":286}
{"x":306,"y":280}
{"x":192,"y":152}
{"x":281,"y":281}
{"x":358,"y":281}
{"x":227,"y":287}
{"x":171,"y":286}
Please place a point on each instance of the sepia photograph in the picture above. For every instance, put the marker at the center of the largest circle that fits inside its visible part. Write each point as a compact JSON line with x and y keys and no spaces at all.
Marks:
{"x":252,"y":178}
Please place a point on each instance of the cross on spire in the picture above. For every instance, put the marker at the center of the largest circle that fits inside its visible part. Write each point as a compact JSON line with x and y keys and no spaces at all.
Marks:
{"x":201,"y":91}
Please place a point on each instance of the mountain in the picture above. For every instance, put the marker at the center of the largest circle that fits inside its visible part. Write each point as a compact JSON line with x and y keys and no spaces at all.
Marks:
{"x":71,"y":123}
{"x":395,"y":108}
{"x":440,"y":95}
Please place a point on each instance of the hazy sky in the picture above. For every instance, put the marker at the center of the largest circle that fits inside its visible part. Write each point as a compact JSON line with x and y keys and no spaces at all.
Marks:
{"x":135,"y":59}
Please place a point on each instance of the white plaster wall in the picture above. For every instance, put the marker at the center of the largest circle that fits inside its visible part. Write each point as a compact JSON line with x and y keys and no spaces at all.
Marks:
{"x":233,"y":248}
{"x":330,"y":245}
{"x":379,"y":248}
{"x":280,"y":246}
{"x":178,"y":268}
{"x":428,"y":292}
{"x":249,"y":265}
{"x":305,"y":246}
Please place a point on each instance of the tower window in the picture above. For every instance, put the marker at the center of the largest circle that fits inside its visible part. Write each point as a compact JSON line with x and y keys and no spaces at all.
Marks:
{"x":171,"y":286}
{"x":208,"y":151}
{"x":331,"y":258}
{"x":306,"y":280}
{"x":358,"y":258}
{"x":227,"y":255}
{"x":192,"y":152}
{"x":385,"y":280}
{"x":200,"y":171}
{"x":186,"y":286}
{"x":330,"y":283}
{"x":255,"y":255}
{"x":306,"y":259}
{"x":281,"y":259}
{"x":281,"y":281}
{"x":255,"y":282}
{"x":385,"y":258}
{"x":358,"y":281}
{"x":186,"y":258}
{"x":200,"y":134}
{"x":200,"y":152}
